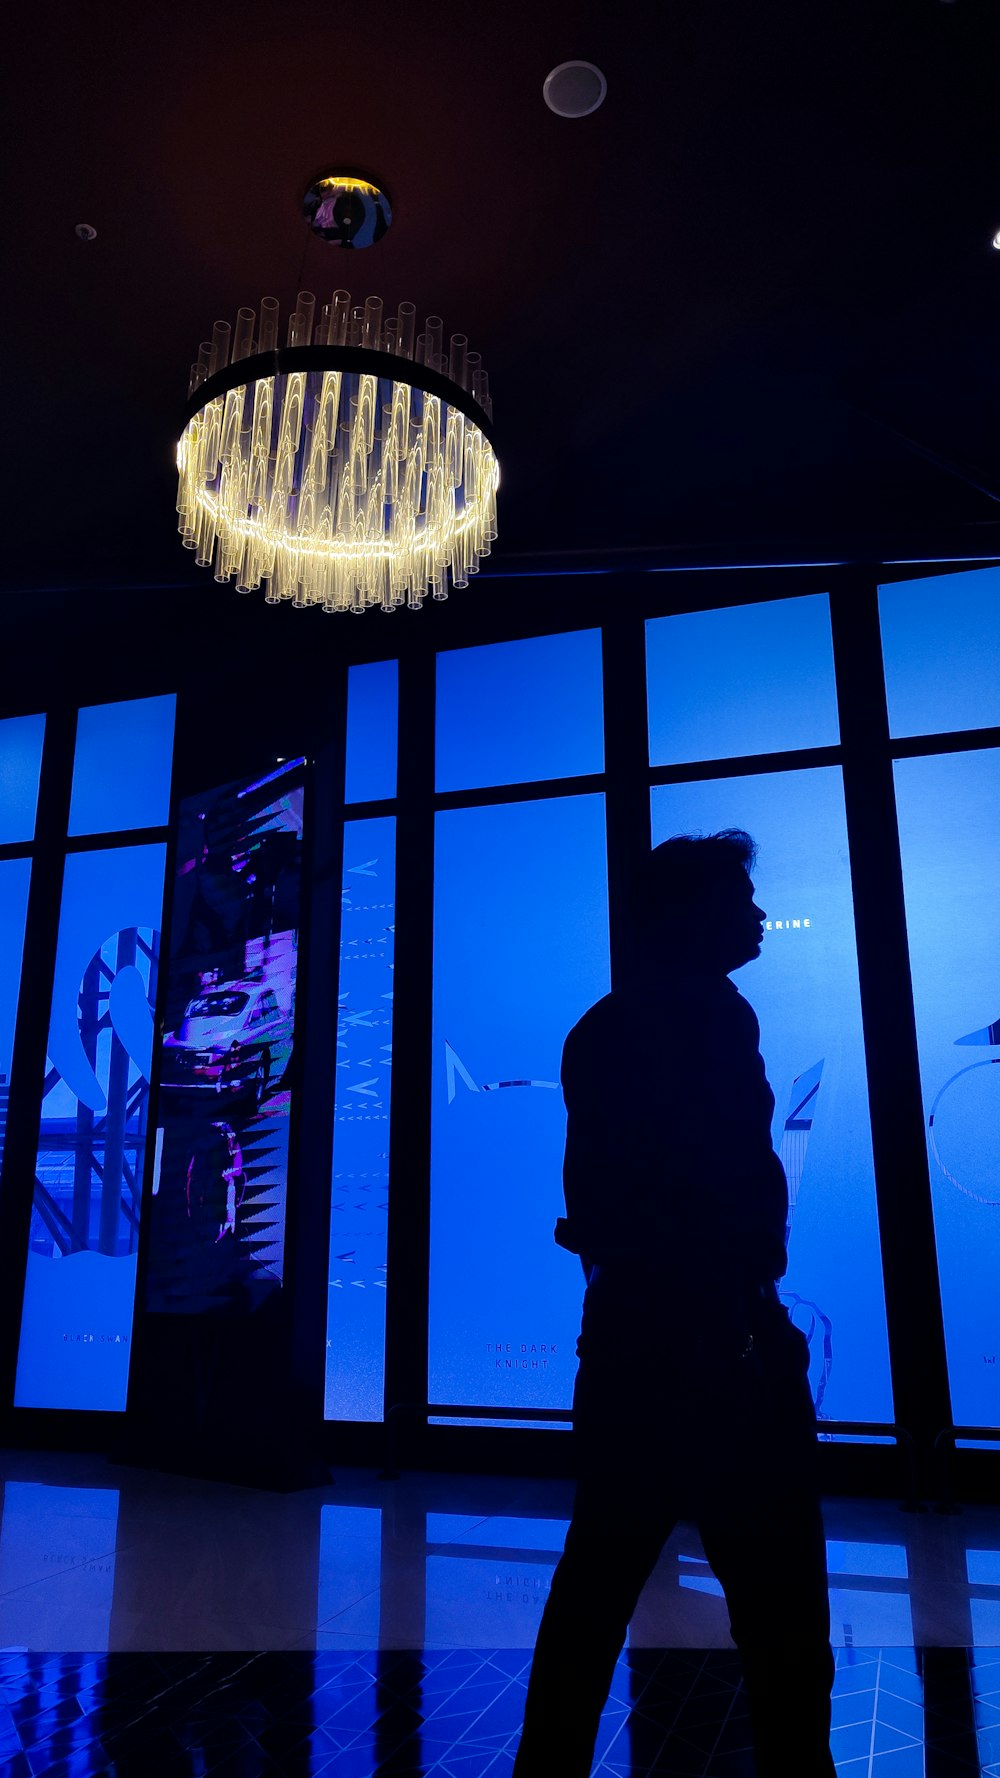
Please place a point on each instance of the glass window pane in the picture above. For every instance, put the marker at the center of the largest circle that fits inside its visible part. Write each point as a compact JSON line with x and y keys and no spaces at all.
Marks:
{"x":804,"y":990}
{"x":121,"y":774}
{"x":372,"y":717}
{"x":941,"y":643}
{"x":15,"y":875}
{"x":217,"y":1212}
{"x":355,"y":1346}
{"x":750,"y":679}
{"x":80,"y":1285}
{"x":951,"y":862}
{"x":520,"y":952}
{"x":21,"y":740}
{"x":516,"y":712}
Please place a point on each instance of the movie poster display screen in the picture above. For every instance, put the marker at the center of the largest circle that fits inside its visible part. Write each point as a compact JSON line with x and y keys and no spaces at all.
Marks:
{"x":226,"y":1053}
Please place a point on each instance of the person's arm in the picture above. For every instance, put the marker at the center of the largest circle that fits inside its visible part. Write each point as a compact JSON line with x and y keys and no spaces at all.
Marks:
{"x":589,"y":1168}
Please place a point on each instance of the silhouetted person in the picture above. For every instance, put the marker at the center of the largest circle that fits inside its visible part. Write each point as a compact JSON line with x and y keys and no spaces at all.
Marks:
{"x":692,"y":1397}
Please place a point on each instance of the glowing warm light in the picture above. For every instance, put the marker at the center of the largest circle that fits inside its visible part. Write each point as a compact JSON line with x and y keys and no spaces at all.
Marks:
{"x":996,"y":240}
{"x":344,"y":183}
{"x":331,"y":485}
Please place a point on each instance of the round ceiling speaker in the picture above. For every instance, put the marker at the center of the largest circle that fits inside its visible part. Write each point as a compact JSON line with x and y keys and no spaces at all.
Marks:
{"x":347,"y":209}
{"x":574,"y":89}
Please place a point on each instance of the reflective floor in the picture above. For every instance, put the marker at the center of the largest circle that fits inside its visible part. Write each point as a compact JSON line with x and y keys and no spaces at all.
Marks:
{"x":152,"y":1623}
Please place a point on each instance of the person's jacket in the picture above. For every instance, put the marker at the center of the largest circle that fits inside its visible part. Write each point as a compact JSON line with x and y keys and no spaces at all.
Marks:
{"x":669,"y":1167}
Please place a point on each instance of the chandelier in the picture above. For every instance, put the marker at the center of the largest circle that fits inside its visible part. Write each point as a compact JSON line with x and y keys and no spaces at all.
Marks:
{"x":354,"y":466}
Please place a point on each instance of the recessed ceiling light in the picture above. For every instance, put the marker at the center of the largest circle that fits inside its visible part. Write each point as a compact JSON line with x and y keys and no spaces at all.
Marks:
{"x":574,"y":89}
{"x":85,"y":231}
{"x":996,"y":240}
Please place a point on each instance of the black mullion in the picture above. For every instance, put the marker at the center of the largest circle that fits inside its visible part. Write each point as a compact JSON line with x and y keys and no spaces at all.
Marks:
{"x":127,"y":836}
{"x":626,"y":760}
{"x":17,"y":849}
{"x":408,"y":1256}
{"x":31,"y":1036}
{"x":536,"y":790}
{"x":748,"y":765}
{"x":925,"y":746}
{"x":902,"y":1179}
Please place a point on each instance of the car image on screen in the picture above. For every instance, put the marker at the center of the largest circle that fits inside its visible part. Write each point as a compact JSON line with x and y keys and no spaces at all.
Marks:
{"x":233,"y":1040}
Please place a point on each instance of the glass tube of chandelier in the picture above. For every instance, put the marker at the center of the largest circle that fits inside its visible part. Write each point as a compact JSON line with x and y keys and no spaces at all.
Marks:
{"x":340,"y":310}
{"x":268,"y":340}
{"x":372,"y":327}
{"x":321,"y":333}
{"x":456,"y":358}
{"x":435,"y":335}
{"x":421,"y":347}
{"x":243,"y":337}
{"x":305,"y":306}
{"x":406,"y":326}
{"x":356,"y":325}
{"x":220,"y":345}
{"x":390,"y":339}
{"x":205,"y":358}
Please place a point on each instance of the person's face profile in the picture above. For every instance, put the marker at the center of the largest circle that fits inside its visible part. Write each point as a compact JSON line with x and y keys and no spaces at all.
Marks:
{"x":741,"y":923}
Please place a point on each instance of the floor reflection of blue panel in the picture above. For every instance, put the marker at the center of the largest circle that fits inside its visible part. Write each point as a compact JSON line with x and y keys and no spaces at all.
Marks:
{"x":350,"y":1563}
{"x":57,"y":1565}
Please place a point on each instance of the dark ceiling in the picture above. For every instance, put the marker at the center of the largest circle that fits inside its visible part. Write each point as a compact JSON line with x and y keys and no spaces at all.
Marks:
{"x":752,"y":297}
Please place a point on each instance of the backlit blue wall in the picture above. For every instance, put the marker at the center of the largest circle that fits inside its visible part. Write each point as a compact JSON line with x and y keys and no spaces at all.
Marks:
{"x":81,"y":1265}
{"x":747,"y":679}
{"x":520,"y":952}
{"x":804,"y":990}
{"x":949,"y":826}
{"x":355,"y":1345}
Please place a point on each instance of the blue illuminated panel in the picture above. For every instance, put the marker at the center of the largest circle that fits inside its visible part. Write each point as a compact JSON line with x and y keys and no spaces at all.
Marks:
{"x":15,"y":874}
{"x":21,"y":740}
{"x":941,"y":644}
{"x":80,"y":1285}
{"x":748,"y":679}
{"x":804,"y":990}
{"x":520,"y":952}
{"x":372,"y":720}
{"x":951,"y":863}
{"x":217,"y":1216}
{"x":517,"y":712}
{"x":355,"y":1346}
{"x":121,"y":773}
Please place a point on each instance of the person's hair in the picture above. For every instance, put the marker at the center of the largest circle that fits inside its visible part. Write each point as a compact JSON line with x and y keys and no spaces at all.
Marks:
{"x":689,"y":870}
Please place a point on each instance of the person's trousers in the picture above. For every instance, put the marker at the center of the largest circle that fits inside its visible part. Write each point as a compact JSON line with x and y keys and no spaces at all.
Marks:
{"x":749,"y":1483}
